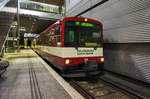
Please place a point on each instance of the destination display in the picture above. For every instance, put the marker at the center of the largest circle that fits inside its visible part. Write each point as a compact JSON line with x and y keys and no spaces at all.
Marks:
{"x":85,"y":52}
{"x":84,"y":24}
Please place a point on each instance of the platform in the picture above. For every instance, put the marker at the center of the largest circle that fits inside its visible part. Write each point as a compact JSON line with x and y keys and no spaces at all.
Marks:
{"x":29,"y":77}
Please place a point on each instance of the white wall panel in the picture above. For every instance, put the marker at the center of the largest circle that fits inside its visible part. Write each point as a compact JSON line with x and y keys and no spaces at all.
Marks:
{"x":81,"y":6}
{"x":71,"y":3}
{"x":126,"y":35}
{"x":121,"y":17}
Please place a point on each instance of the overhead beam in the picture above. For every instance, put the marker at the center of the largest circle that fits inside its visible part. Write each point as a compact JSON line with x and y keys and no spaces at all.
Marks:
{"x":92,"y":7}
{"x":32,"y":13}
{"x":3,"y":3}
{"x":54,"y":2}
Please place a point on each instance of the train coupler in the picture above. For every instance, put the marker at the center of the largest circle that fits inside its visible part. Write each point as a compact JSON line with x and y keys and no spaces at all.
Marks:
{"x":90,"y":66}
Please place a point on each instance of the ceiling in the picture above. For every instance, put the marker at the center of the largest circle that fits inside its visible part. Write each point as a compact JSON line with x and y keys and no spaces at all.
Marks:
{"x":36,"y":25}
{"x":54,"y":2}
{"x":33,"y":24}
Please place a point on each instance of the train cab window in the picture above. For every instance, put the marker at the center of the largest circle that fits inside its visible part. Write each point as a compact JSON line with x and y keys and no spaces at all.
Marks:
{"x":57,"y":37}
{"x":82,"y":34}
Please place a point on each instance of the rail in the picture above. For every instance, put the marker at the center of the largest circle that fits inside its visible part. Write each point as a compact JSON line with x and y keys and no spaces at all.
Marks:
{"x":98,"y":88}
{"x":81,"y":90}
{"x":102,"y":87}
{"x":132,"y":86}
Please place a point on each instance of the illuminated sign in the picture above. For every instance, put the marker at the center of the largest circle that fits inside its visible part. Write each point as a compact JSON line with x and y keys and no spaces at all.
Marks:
{"x":85,"y":24}
{"x":30,"y":35}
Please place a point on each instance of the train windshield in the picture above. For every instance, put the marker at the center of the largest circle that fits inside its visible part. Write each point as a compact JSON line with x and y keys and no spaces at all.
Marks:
{"x":82,"y":34}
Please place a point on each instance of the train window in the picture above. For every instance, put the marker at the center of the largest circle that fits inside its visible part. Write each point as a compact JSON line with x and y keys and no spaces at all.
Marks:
{"x":45,"y":38}
{"x":71,"y":36}
{"x":82,"y":34}
{"x":49,"y":37}
{"x":57,"y":30}
{"x":52,"y":37}
{"x":52,"y":32}
{"x":57,"y":37}
{"x":42,"y":39}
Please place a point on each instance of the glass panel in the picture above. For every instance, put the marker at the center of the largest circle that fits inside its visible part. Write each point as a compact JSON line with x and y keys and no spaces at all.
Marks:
{"x":30,"y":5}
{"x":57,"y":35}
{"x":71,"y":36}
{"x":82,"y":34}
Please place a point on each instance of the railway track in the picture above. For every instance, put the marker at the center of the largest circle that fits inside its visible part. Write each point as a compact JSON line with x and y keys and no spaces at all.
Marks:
{"x":99,"y":89}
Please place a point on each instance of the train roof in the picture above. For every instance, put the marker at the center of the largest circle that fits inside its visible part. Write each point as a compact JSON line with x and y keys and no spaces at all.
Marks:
{"x":71,"y":18}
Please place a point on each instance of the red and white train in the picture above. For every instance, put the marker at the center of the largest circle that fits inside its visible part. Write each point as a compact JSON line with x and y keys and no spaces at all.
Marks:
{"x":74,"y":45}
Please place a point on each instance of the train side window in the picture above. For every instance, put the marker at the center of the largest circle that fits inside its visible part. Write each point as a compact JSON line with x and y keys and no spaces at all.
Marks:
{"x":45,"y":39}
{"x":57,"y":30}
{"x":42,"y":39}
{"x":49,"y":37}
{"x":52,"y":36}
{"x":57,"y":36}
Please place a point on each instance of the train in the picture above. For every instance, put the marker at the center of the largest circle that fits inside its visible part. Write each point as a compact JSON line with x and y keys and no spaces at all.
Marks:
{"x":74,"y":45}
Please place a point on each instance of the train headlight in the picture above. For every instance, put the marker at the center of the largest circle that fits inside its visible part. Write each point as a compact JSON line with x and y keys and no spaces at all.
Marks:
{"x":102,"y":59}
{"x":67,"y":61}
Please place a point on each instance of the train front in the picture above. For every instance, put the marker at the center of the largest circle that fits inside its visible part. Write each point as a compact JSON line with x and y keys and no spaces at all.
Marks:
{"x":83,"y":49}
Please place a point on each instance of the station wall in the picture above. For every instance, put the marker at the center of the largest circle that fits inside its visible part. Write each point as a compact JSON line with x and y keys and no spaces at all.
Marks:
{"x":5,"y":22}
{"x":126,"y":34}
{"x":71,"y":3}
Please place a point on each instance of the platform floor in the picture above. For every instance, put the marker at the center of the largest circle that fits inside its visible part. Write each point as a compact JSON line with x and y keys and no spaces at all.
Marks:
{"x":28,"y":78}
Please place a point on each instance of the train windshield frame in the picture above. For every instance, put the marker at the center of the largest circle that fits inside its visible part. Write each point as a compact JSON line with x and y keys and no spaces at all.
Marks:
{"x":82,"y":34}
